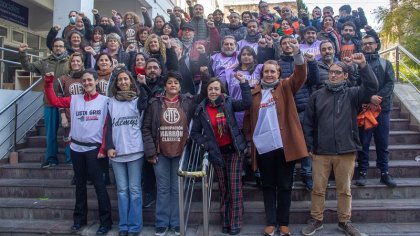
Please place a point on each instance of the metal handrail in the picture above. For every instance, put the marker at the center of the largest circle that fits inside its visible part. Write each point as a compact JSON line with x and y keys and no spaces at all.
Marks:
{"x":194,"y":165}
{"x":398,"y":62}
{"x":17,"y":113}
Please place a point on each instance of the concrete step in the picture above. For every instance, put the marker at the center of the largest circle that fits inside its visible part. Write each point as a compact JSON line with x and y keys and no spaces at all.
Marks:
{"x":400,"y":124}
{"x":372,"y":211}
{"x":61,"y":189}
{"x":42,"y":132}
{"x":396,"y":152}
{"x":380,"y":211}
{"x":396,"y":113}
{"x":41,"y":141}
{"x":25,"y":227}
{"x":403,"y":137}
{"x":61,"y":227}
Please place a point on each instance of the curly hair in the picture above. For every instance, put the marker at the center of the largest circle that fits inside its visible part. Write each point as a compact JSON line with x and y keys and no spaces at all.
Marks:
{"x":134,"y":15}
{"x":162,"y":47}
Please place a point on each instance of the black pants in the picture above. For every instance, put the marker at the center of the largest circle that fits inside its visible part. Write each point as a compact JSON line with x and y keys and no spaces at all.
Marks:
{"x":149,"y":179}
{"x":87,"y":164}
{"x":277,"y":181}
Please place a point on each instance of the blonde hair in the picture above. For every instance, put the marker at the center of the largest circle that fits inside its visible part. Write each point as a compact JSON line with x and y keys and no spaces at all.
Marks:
{"x":82,"y":58}
{"x":162,"y":46}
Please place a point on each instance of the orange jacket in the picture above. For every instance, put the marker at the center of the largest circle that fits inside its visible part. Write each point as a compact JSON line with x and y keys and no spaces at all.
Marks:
{"x":367,"y":117}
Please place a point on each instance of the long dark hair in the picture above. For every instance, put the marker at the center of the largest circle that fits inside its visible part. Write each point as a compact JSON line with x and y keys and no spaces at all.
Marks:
{"x":114,"y":87}
{"x":251,"y":69}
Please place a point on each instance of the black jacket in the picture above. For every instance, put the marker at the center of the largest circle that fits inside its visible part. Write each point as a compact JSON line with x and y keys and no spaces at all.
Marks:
{"x":330,"y":125}
{"x":386,"y":78}
{"x":202,"y":130}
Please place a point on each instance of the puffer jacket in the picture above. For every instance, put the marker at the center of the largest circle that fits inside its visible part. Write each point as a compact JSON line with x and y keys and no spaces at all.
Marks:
{"x":312,"y":79}
{"x":202,"y":130}
{"x":239,"y":32}
{"x":330,"y":124}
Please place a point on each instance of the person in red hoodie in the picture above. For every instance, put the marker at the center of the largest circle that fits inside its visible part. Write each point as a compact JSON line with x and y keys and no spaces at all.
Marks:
{"x":88,"y":115}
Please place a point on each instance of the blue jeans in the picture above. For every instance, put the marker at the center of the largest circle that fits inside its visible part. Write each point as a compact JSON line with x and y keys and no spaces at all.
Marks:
{"x":128,"y":180}
{"x":380,"y":135}
{"x":51,"y":120}
{"x":167,"y":205}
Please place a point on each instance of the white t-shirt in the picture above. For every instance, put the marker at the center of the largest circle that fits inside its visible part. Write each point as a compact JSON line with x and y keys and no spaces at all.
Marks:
{"x":267,"y":131}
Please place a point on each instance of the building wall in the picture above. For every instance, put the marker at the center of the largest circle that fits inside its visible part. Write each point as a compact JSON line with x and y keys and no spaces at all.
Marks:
{"x":252,"y":6}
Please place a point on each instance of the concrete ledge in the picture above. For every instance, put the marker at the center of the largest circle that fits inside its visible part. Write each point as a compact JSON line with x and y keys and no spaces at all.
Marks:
{"x":410,"y":101}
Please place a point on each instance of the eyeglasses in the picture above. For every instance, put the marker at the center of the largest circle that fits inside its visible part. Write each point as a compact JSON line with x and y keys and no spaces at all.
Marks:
{"x":284,"y":10}
{"x":58,"y":46}
{"x":335,"y":72}
{"x":369,"y":43}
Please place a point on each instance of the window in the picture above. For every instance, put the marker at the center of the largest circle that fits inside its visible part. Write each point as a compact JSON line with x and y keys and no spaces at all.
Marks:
{"x":17,"y":36}
{"x":3,"y":31}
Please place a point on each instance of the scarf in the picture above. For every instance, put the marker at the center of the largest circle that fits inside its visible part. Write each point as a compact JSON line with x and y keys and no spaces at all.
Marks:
{"x":266,"y":85}
{"x":220,"y":116}
{"x":252,"y":38}
{"x":97,"y":46}
{"x":125,"y":96}
{"x":335,"y":87}
{"x":61,"y":56}
{"x":76,"y":74}
{"x":285,"y":32}
{"x":105,"y":72}
{"x":187,"y":42}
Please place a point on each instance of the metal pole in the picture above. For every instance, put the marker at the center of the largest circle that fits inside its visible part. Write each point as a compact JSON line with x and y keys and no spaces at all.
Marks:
{"x":15,"y":129}
{"x":397,"y":63}
{"x":181,"y":205}
{"x":205,"y":188}
{"x":2,"y":69}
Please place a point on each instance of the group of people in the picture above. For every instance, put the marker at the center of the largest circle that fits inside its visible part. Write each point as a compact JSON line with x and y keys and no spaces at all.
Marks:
{"x":277,"y":89}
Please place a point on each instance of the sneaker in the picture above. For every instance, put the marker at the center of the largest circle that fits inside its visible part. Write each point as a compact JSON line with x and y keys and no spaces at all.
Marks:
{"x":307,"y":180}
{"x":160,"y":231}
{"x":269,"y":231}
{"x":284,"y":231}
{"x":177,"y":230}
{"x":48,"y":164}
{"x":361,"y":181}
{"x":387,"y":180}
{"x":348,"y":229}
{"x":103,"y":230}
{"x":312,"y":226}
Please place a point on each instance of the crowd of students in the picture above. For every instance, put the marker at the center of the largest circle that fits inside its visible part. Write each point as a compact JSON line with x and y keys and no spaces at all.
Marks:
{"x":273,"y":88}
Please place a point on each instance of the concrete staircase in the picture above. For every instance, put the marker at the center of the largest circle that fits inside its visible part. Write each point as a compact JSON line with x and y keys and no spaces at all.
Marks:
{"x":35,"y":201}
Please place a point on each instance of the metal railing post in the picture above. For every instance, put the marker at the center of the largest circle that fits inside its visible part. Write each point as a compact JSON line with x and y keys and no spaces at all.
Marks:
{"x":181,"y":205}
{"x":15,"y":127}
{"x":397,"y":63}
{"x":2,"y":65}
{"x":205,"y":189}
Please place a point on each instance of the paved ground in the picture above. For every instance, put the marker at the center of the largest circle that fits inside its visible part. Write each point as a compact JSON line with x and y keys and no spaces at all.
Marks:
{"x":371,"y":229}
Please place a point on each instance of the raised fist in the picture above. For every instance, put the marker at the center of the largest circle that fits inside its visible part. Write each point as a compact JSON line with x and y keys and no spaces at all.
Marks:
{"x":57,"y":27}
{"x":23,"y":47}
{"x":141,"y":79}
{"x":49,"y":77}
{"x":114,"y":12}
{"x":143,"y":9}
{"x":359,"y":59}
{"x":240,"y":77}
{"x":201,"y":49}
{"x":95,"y":11}
{"x":309,"y":56}
{"x":295,"y":45}
{"x":210,"y":24}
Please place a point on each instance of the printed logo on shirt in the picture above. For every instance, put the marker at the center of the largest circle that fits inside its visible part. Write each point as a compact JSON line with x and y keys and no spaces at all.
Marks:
{"x":171,"y":133}
{"x":76,"y":88}
{"x":130,"y":35}
{"x":125,"y":121}
{"x":171,"y":115}
{"x":88,"y":115}
{"x":269,"y":103}
{"x":103,"y":85}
